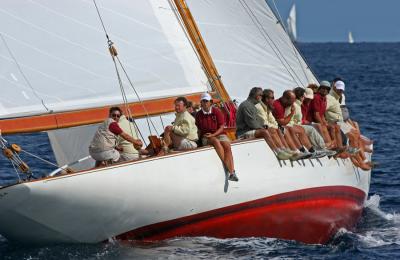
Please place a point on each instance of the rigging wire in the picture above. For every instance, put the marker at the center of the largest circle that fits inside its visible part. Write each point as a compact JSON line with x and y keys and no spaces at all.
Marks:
{"x":37,"y":157}
{"x":162,"y":122}
{"x":23,"y":74}
{"x":138,"y":97}
{"x":296,"y":51}
{"x":269,"y":40}
{"x":125,"y":100}
{"x":111,"y":47}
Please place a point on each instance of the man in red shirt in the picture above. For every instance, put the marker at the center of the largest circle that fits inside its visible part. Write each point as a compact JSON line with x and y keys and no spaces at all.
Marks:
{"x":103,"y":146}
{"x":317,"y":114}
{"x":283,"y":112}
{"x":210,"y":123}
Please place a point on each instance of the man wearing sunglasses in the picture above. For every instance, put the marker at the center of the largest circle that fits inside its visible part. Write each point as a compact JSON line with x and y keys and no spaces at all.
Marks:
{"x":210,"y":122}
{"x":103,"y":147}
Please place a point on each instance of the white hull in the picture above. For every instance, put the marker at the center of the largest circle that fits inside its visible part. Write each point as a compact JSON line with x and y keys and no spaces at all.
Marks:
{"x":95,"y":205}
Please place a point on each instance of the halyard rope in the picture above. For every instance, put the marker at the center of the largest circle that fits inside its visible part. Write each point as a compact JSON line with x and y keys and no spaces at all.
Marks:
{"x":113,"y":55}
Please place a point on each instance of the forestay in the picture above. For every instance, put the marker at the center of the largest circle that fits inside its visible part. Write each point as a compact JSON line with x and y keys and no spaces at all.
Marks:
{"x":54,"y":54}
{"x":249,"y":46}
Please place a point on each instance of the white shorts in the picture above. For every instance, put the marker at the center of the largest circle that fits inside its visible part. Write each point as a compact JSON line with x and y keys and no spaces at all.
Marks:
{"x":106,"y":155}
{"x":345,"y":127}
{"x":248,"y":134}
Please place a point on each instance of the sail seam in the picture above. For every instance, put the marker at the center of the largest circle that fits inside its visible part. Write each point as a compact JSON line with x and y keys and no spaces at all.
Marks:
{"x":268,"y":40}
{"x":22,"y":73}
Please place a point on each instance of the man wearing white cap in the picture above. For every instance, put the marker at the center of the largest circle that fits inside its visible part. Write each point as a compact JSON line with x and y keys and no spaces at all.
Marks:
{"x":210,"y":122}
{"x":334,"y":115}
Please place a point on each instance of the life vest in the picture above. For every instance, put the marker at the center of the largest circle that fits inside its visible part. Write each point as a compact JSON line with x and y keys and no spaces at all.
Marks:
{"x":104,"y":139}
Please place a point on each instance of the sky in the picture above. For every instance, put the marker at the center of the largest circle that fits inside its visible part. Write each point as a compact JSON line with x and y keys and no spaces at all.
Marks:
{"x":330,"y":20}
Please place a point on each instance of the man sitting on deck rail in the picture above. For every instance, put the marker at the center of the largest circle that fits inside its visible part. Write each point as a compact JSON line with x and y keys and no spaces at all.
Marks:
{"x":334,"y":115}
{"x":285,"y":112}
{"x":127,"y":150}
{"x":182,"y":135}
{"x":264,"y":109}
{"x":103,"y":146}
{"x":316,"y":114}
{"x":210,"y":122}
{"x":250,"y":125}
{"x":315,"y":137}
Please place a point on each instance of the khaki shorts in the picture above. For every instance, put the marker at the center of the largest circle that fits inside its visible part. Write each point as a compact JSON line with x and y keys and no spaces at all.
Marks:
{"x":128,"y":157}
{"x":248,"y":134}
{"x":222,"y":138}
{"x":105,"y":155}
{"x":186,"y":144}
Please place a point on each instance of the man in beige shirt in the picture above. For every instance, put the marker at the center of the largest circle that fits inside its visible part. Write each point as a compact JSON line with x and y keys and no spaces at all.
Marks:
{"x":183,"y":133}
{"x":128,"y":151}
{"x":264,"y":111}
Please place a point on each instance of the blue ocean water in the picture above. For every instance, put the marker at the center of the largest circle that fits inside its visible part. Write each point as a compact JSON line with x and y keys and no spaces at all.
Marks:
{"x":372,"y":75}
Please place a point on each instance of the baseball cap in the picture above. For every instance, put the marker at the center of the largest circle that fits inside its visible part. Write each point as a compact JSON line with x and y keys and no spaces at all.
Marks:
{"x":205,"y":96}
{"x":325,"y":84}
{"x":309,"y":93}
{"x":339,"y":85}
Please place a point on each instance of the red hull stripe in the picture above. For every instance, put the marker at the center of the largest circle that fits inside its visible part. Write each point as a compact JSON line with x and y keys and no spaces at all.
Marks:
{"x":310,"y":215}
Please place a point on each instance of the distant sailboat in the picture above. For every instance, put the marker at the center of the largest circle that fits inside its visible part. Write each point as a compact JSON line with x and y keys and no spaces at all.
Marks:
{"x":351,"y":40}
{"x":291,"y":24}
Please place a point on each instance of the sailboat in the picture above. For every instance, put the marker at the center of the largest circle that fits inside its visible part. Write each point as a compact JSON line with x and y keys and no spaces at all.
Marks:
{"x":291,"y":23}
{"x":57,"y":77}
{"x":350,"y":37}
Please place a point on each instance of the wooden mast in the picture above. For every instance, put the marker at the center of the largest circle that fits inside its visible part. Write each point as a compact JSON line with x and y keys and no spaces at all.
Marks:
{"x":202,"y":50}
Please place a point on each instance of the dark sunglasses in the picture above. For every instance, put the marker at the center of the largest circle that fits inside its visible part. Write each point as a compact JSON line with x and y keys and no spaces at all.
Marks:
{"x":116,"y":115}
{"x":204,"y":100}
{"x":271,"y":97}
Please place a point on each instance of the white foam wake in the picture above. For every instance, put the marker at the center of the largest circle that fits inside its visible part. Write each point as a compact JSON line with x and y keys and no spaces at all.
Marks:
{"x":380,"y":233}
{"x":373,"y":204}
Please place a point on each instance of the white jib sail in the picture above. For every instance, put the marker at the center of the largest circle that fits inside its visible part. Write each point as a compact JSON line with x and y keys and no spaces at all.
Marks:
{"x":55,"y":52}
{"x":351,"y":40}
{"x":249,"y":46}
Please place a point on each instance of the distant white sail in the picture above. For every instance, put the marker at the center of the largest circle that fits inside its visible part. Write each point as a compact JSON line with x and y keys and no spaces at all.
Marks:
{"x":291,"y":23}
{"x":351,"y":40}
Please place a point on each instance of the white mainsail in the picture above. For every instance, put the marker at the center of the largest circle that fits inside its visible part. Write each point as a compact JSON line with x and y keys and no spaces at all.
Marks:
{"x":249,"y":47}
{"x":61,"y":50}
{"x":351,"y":40}
{"x":291,"y":23}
